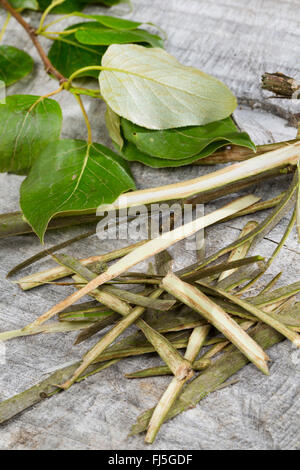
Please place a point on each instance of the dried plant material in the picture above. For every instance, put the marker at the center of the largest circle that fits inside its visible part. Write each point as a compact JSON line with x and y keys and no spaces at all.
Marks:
{"x":290,"y":318}
{"x":241,"y":251}
{"x":12,"y":224}
{"x":140,"y":300}
{"x":165,"y":350}
{"x":218,"y":347}
{"x":194,"y":274}
{"x":163,"y":262}
{"x":133,"y":345}
{"x":287,"y":203}
{"x":202,"y":304}
{"x":176,"y":320}
{"x":259,"y":206}
{"x":275,"y":295}
{"x":150,"y":248}
{"x":109,"y":300}
{"x":42,"y":254}
{"x":136,"y":345}
{"x":236,"y":153}
{"x":261,"y":315}
{"x":215,"y":349}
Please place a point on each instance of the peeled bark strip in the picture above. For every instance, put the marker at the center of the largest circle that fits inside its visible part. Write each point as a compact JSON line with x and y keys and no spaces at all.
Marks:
{"x":275,"y":295}
{"x":48,"y":251}
{"x":210,"y":379}
{"x":260,"y":314}
{"x":96,"y":327}
{"x":241,"y":251}
{"x":280,"y":211}
{"x":298,"y":195}
{"x":238,"y":154}
{"x":180,"y":367}
{"x":36,"y":279}
{"x":163,"y":347}
{"x":282,"y":157}
{"x":225,"y":267}
{"x":202,"y":304}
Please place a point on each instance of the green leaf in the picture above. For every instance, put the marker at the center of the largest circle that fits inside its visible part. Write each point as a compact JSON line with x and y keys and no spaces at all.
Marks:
{"x":68,"y":55}
{"x":113,"y":122}
{"x":108,"y":3}
{"x":185,"y":142}
{"x":24,"y":4}
{"x":103,"y":36}
{"x":14,"y":64}
{"x":152,"y":89}
{"x":71,"y":175}
{"x":27,"y":124}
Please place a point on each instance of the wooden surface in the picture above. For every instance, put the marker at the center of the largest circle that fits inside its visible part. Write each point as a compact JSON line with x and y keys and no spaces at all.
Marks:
{"x":235,"y":40}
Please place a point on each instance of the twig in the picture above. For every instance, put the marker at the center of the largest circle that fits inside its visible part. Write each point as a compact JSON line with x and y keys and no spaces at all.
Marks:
{"x":282,"y":85}
{"x":165,"y":370}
